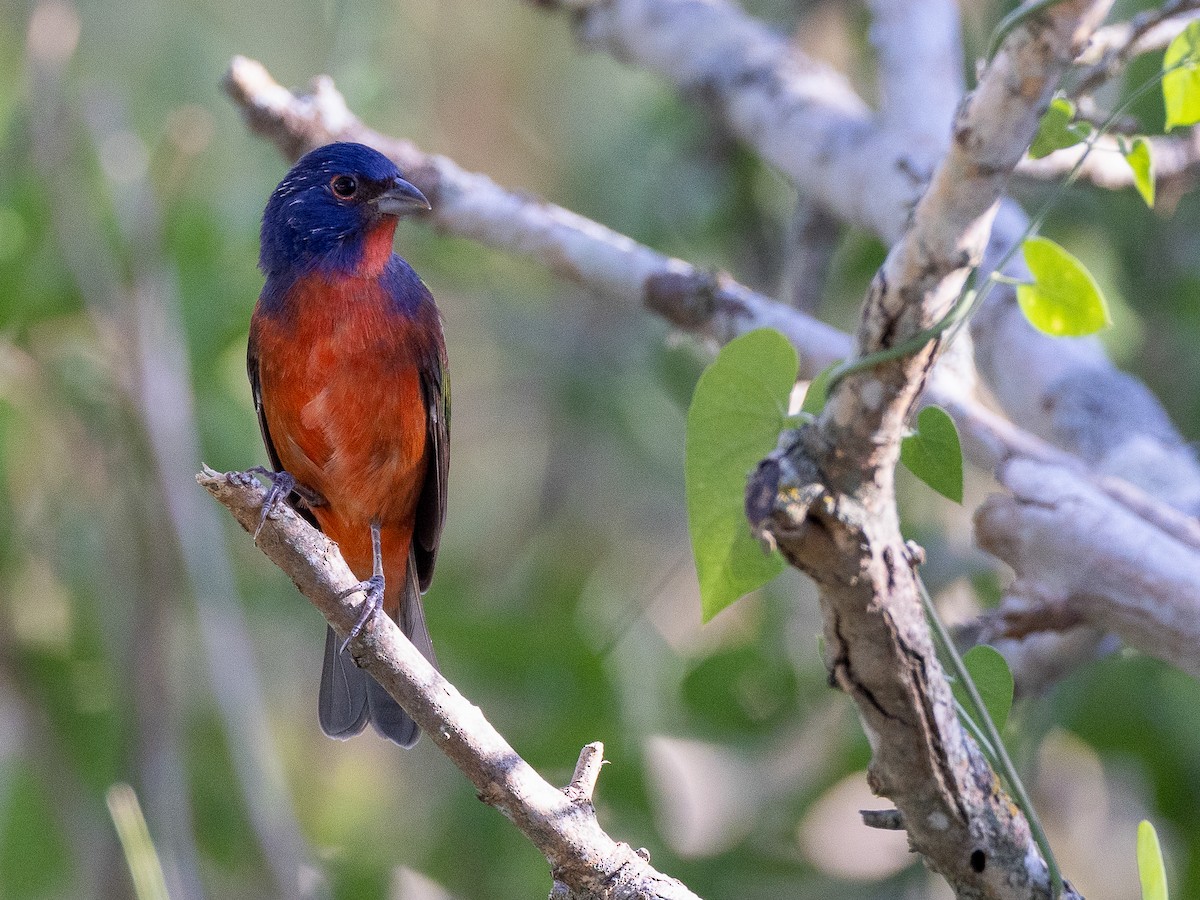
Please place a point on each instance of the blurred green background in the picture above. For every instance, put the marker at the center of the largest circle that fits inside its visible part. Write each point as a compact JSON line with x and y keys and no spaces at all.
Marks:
{"x":144,"y":640}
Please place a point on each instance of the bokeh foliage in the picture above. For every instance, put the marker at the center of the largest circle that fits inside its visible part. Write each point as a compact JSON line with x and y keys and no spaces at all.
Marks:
{"x":565,"y":603}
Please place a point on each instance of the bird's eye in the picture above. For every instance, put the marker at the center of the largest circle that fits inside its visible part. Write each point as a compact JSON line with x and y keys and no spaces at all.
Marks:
{"x":344,"y":186}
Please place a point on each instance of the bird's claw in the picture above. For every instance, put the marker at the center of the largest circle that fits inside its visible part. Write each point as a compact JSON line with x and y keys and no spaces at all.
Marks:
{"x":372,"y":590}
{"x":282,"y":484}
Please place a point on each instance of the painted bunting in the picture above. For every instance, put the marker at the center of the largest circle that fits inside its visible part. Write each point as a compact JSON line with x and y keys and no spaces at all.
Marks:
{"x":347,"y":364}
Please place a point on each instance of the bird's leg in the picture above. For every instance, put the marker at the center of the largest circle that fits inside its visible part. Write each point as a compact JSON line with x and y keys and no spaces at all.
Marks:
{"x":372,"y":589}
{"x":282,"y":485}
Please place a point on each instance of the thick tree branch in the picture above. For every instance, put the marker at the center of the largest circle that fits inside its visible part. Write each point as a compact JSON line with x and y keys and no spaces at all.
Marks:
{"x":561,"y":824}
{"x":798,"y":114}
{"x":833,"y":511}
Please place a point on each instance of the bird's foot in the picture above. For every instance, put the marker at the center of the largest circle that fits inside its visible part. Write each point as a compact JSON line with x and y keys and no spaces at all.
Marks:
{"x":283,"y":484}
{"x":372,"y":590}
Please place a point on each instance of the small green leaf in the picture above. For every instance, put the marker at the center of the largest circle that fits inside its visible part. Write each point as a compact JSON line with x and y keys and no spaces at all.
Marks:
{"x":1181,"y":78}
{"x":818,"y":391}
{"x":1151,"y":871}
{"x":1138,"y":156}
{"x":737,"y":412}
{"x":934,"y":454}
{"x":993,"y":679}
{"x":1055,"y":132}
{"x":1063,"y":300}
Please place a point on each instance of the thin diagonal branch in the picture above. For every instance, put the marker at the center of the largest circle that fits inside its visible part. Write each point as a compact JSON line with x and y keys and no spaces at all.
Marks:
{"x":561,"y":824}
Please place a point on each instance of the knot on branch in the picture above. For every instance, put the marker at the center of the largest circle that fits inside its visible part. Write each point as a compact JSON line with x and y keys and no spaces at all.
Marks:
{"x":787,"y":494}
{"x":685,"y":299}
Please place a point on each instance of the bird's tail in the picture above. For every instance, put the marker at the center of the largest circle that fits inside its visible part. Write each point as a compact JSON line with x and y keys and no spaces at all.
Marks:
{"x":350,"y":697}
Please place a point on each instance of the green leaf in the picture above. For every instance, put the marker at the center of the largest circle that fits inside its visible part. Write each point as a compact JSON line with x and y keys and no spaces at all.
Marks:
{"x":993,"y":679}
{"x":818,"y":391}
{"x":737,"y":412}
{"x":1063,"y":300}
{"x":1181,"y":78}
{"x":1055,"y":131}
{"x":934,"y":454}
{"x":1138,"y":156}
{"x":1151,"y":871}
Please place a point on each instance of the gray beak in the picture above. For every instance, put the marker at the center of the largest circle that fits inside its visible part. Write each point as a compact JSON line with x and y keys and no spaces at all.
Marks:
{"x":400,"y":198}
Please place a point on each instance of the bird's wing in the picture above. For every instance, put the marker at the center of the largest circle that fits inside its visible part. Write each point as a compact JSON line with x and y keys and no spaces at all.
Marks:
{"x":256,"y":392}
{"x":431,"y":508}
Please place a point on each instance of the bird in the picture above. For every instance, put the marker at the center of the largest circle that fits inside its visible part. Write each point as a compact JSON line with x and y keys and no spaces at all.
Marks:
{"x":348,"y":370}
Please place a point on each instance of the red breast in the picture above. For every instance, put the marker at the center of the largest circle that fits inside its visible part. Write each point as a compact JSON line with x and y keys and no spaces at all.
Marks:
{"x":342,"y":399}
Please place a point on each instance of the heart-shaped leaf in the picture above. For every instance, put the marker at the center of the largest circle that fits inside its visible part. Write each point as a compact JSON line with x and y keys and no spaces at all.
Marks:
{"x":737,"y":412}
{"x":1056,"y":131}
{"x":1138,"y":156}
{"x":934,"y":453}
{"x":1063,"y":300}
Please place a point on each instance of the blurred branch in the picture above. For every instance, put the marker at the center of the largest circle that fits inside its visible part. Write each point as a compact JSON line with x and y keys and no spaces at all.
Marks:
{"x":1102,"y":567}
{"x":1112,"y":47}
{"x":132,"y":300}
{"x":471,"y":205}
{"x":919,"y":47}
{"x":812,"y":241}
{"x":699,"y":302}
{"x":828,"y":501}
{"x":1175,"y":157}
{"x":799,"y":115}
{"x":562,"y":824}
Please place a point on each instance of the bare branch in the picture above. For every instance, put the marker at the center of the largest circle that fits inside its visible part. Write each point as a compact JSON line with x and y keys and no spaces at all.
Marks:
{"x":562,"y":827}
{"x":471,"y":205}
{"x":587,"y":771}
{"x":799,"y":115}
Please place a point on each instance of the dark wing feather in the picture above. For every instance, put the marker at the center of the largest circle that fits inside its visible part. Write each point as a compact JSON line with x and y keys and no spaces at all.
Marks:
{"x":256,"y":392}
{"x":431,"y":508}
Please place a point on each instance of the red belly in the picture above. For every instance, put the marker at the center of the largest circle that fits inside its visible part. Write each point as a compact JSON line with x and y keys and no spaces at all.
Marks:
{"x":342,"y":399}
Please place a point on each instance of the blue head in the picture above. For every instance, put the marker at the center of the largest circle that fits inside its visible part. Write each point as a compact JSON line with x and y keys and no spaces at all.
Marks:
{"x":321,"y":214}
